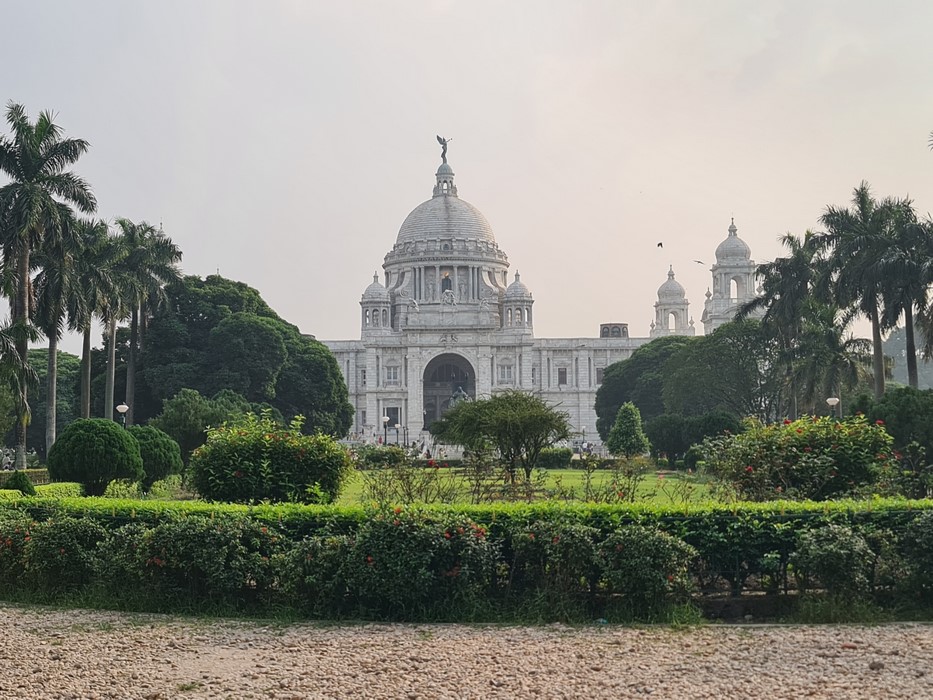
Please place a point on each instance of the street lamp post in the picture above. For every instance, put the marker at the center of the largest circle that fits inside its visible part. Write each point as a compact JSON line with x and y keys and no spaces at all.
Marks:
{"x":122,"y":409}
{"x":385,"y":430}
{"x":836,"y":405}
{"x":397,"y":426}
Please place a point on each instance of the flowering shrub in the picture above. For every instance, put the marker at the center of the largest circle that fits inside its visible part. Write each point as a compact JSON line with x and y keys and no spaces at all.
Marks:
{"x":60,"y":553}
{"x":811,"y":458}
{"x":402,"y":564}
{"x":556,"y":558}
{"x":919,"y":552}
{"x":647,"y":567}
{"x":311,"y":574}
{"x":14,"y":534}
{"x":256,"y":459}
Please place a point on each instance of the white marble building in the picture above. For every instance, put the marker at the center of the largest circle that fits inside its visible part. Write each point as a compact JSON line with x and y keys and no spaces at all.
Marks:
{"x":447,"y":322}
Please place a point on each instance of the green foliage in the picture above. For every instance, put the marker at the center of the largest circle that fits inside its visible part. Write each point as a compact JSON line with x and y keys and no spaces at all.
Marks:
{"x":813,"y":457}
{"x":121,"y":488}
{"x":60,"y":489}
{"x":554,"y":559}
{"x":402,"y":565}
{"x":67,"y":400}
{"x":19,"y":481}
{"x":312,"y":576}
{"x":160,"y":453}
{"x":204,"y":559}
{"x":626,"y":437}
{"x":15,"y":527}
{"x":60,"y":554}
{"x":380,"y":456}
{"x":638,"y":379}
{"x":835,"y":557}
{"x":730,"y":370}
{"x":256,"y":459}
{"x":918,"y":552}
{"x":216,"y":334}
{"x":555,"y":458}
{"x":667,"y":435}
{"x":907,"y":414}
{"x":186,"y":417}
{"x":94,"y":452}
{"x":650,"y":569}
{"x":8,"y":412}
{"x":516,"y":424}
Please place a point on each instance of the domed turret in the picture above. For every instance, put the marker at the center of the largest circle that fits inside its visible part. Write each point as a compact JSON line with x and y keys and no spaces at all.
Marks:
{"x":376,"y":307}
{"x":671,"y":290}
{"x":517,"y":303}
{"x":733,"y":249}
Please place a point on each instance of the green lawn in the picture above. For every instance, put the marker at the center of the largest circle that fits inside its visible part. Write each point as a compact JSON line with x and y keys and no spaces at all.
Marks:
{"x":661,"y":487}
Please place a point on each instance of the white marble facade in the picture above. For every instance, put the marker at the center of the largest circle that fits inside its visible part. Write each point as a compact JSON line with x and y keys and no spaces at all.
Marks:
{"x":447,"y":322}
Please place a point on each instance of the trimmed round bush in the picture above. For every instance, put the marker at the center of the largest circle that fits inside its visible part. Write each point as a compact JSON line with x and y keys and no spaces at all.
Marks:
{"x":257,"y":459}
{"x":556,"y":558}
{"x":647,"y":567}
{"x":19,"y":481}
{"x":161,"y":454}
{"x":94,"y":452}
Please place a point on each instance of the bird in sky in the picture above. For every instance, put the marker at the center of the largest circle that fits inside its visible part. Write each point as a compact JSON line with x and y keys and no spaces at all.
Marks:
{"x":699,"y":262}
{"x":660,"y":245}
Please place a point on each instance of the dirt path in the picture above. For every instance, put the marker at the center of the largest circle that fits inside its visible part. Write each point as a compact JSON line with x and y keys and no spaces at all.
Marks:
{"x":81,"y":654}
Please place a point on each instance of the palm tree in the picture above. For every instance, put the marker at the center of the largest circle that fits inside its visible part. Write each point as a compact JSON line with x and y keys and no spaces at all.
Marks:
{"x":828,"y":359}
{"x":786,"y":285}
{"x":34,"y":158}
{"x":855,"y":239}
{"x":906,"y":267}
{"x":56,"y":290}
{"x":94,"y":272}
{"x":151,"y":262}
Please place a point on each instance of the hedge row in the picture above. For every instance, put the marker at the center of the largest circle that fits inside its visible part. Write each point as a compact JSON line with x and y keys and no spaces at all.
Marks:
{"x":36,"y":476}
{"x":471,"y":563}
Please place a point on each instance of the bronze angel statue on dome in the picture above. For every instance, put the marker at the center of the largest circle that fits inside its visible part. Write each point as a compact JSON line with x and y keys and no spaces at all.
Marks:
{"x":441,"y":140}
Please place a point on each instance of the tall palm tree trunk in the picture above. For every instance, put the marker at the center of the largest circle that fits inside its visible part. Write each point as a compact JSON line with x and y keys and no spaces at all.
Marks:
{"x":131,"y":365}
{"x":21,"y":317}
{"x":86,"y":374}
{"x":912,"y":378}
{"x":51,"y":404}
{"x":111,"y":366}
{"x":877,"y":352}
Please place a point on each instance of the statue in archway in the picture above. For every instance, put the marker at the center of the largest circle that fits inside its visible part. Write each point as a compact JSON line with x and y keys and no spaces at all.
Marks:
{"x":459,"y":396}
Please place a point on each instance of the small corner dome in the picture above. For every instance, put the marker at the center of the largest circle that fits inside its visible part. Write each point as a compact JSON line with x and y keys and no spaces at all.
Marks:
{"x":733,"y":248}
{"x":671,"y":289}
{"x":517,"y":290}
{"x":445,"y":169}
{"x":375,"y":291}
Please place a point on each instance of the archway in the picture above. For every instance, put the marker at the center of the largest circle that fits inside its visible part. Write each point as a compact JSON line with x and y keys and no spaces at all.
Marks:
{"x":444,"y":376}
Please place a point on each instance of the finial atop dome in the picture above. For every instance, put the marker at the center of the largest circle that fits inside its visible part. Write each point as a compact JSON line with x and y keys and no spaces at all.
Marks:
{"x":732,"y":229}
{"x":376,"y":276}
{"x":518,"y":276}
{"x":445,"y":174}
{"x":670,"y":273}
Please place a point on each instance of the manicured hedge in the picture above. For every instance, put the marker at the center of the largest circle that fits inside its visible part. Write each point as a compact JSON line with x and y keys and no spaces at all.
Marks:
{"x":498,"y":562}
{"x":36,"y":476}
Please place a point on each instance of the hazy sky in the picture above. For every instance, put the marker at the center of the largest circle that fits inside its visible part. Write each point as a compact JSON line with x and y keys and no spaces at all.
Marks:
{"x":284,"y":143}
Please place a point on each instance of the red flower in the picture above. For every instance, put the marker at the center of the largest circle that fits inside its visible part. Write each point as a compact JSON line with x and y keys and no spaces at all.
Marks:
{"x":369,"y":560}
{"x":799,"y":430}
{"x":670,"y":578}
{"x":397,"y":510}
{"x":430,"y":462}
{"x":787,"y":421}
{"x":748,"y":469}
{"x":879,"y":422}
{"x":238,"y":474}
{"x":61,"y":550}
{"x":531,"y":535}
{"x":808,"y":449}
{"x":396,"y":522}
{"x":446,"y":535}
{"x":556,"y":539}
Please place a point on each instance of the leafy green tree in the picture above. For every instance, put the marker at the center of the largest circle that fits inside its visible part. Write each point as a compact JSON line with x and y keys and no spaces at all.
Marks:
{"x":732,"y":370}
{"x":33,"y":206}
{"x":94,"y":452}
{"x":907,"y":414}
{"x":698,"y":428}
{"x":627,"y":437}
{"x":639,"y":379}
{"x":246,"y":354}
{"x":187,"y":416}
{"x":160,"y":453}
{"x":516,"y":424}
{"x":667,"y":435}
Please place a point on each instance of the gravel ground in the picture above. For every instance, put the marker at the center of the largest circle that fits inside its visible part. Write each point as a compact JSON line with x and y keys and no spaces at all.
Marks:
{"x":53,"y":654}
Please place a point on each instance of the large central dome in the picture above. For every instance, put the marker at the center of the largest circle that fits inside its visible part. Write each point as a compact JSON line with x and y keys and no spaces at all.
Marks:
{"x":445,"y":215}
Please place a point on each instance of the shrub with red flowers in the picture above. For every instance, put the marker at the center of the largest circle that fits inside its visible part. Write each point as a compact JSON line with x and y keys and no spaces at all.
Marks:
{"x":256,"y":459}
{"x":554,"y":558}
{"x":404,"y":564}
{"x":61,"y":552}
{"x":647,"y":568}
{"x":14,"y":534}
{"x":814,"y":458}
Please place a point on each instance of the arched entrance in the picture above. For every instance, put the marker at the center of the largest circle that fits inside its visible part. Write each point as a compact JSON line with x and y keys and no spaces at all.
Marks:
{"x":446,"y":375}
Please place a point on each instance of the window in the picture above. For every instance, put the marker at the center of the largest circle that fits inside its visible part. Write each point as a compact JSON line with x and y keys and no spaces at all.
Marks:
{"x":505,"y":374}
{"x":362,"y":417}
{"x":599,"y":374}
{"x":616,"y":332}
{"x":534,"y":373}
{"x":604,"y":332}
{"x":561,"y":375}
{"x":363,"y":379}
{"x":392,"y":375}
